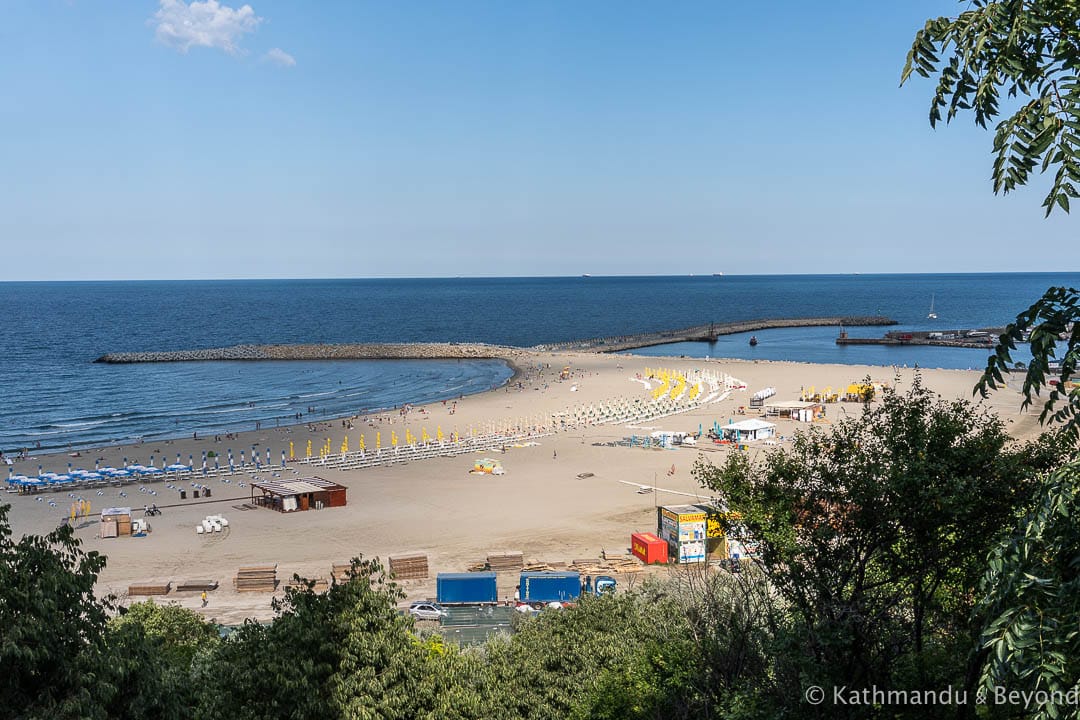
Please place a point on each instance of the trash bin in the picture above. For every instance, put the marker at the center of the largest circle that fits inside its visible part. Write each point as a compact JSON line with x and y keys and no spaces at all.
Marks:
{"x":183,"y":494}
{"x":195,"y":494}
{"x":206,"y":492}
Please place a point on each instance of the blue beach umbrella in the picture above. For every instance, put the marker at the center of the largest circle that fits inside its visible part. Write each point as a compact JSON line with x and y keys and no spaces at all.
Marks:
{"x":282,"y":458}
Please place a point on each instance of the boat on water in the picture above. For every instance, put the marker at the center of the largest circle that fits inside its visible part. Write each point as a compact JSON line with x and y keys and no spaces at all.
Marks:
{"x":932,"y":315}
{"x":753,"y":340}
{"x":718,"y":274}
{"x":586,"y":275}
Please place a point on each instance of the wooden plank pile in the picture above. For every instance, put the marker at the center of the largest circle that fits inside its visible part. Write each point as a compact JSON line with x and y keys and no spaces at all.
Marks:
{"x":260,"y":578}
{"x":150,"y":589}
{"x":196,"y":585}
{"x":341,"y":572}
{"x":505,"y":561}
{"x":537,"y":566}
{"x":413,"y":566}
{"x":608,"y":566}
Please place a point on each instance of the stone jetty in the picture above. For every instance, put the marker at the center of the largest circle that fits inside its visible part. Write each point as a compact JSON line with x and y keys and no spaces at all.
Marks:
{"x":474,"y":351}
{"x":345,"y":351}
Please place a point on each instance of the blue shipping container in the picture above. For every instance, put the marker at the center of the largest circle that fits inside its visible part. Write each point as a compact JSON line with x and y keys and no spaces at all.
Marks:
{"x":466,"y":588}
{"x":549,"y":586}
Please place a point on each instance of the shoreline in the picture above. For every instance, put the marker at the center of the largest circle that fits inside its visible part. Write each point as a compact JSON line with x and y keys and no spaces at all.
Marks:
{"x":80,"y":454}
{"x":570,"y":491}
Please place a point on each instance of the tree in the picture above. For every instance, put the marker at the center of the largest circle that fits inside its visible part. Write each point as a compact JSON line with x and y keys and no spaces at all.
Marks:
{"x":345,"y":652}
{"x":52,"y":628}
{"x":1028,"y":49}
{"x":154,"y":649}
{"x":875,"y":534}
{"x":1032,"y":602}
{"x":1055,"y":316}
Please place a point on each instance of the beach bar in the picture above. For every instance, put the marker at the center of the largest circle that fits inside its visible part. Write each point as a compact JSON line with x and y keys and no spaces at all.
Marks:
{"x":311,"y":493}
{"x":798,"y":410}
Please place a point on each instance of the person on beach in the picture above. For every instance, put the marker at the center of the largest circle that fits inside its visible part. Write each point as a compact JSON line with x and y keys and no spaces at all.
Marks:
{"x":204,"y":601}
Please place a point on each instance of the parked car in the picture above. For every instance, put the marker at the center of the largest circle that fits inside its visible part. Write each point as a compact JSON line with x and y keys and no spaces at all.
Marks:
{"x":427,"y":611}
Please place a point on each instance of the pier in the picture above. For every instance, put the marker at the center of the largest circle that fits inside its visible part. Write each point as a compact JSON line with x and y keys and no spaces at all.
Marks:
{"x":707,"y":333}
{"x":476,"y":351}
{"x":980,"y":339}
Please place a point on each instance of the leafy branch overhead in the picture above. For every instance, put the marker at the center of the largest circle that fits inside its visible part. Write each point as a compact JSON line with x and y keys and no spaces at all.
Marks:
{"x":1052,"y":318}
{"x":1024,"y":49}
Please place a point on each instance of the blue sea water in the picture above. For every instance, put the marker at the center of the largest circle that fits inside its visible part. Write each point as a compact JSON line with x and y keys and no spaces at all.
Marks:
{"x":51,"y":391}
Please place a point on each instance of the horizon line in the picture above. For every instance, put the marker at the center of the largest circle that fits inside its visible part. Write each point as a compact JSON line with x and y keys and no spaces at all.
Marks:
{"x":591,"y":276}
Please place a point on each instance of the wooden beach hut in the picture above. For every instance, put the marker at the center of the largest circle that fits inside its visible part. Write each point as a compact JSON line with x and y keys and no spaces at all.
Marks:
{"x":310,"y":493}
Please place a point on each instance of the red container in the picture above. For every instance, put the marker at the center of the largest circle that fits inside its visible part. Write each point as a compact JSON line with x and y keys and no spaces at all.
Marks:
{"x":648,"y":548}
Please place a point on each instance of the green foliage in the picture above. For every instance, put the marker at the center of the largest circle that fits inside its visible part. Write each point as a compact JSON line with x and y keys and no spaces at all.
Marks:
{"x":153,"y":650}
{"x":875,"y":534}
{"x":1055,"y":315}
{"x":53,"y":657}
{"x":553,"y":663}
{"x":179,"y":633}
{"x":1032,"y":600}
{"x":346,"y":652}
{"x":1027,"y":49}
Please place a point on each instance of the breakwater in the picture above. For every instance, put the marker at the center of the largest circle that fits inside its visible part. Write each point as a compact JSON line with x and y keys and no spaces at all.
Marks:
{"x":319,"y":351}
{"x":476,"y":351}
{"x":707,"y":333}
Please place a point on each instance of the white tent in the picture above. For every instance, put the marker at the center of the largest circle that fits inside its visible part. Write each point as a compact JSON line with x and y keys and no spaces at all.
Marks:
{"x":749,"y":430}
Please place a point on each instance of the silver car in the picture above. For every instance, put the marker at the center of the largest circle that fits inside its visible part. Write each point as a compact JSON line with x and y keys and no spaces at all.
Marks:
{"x":427,"y":611}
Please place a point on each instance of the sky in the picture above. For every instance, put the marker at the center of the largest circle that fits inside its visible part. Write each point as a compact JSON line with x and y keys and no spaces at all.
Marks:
{"x":164,"y":139}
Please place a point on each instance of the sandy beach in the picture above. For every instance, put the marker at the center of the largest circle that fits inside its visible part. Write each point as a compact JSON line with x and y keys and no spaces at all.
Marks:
{"x":540,"y":507}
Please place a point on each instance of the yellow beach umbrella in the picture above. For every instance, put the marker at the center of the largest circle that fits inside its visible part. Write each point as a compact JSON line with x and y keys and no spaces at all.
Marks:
{"x":309,"y":448}
{"x":378,"y":441}
{"x":292,"y":455}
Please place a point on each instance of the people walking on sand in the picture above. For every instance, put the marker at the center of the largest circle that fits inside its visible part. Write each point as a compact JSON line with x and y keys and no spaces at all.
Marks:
{"x":204,"y":598}
{"x":554,"y":454}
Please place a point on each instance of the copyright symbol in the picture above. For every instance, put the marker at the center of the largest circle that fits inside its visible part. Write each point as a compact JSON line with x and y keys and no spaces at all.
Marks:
{"x":814,"y":695}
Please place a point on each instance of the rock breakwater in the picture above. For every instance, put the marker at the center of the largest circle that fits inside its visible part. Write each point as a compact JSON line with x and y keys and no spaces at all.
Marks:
{"x":347,"y":351}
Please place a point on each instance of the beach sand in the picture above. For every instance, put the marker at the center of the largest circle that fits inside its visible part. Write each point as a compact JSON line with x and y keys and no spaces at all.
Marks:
{"x":539,"y":507}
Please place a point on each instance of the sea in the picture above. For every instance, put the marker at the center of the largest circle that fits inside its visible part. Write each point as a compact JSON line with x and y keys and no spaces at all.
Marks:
{"x":54,"y":397}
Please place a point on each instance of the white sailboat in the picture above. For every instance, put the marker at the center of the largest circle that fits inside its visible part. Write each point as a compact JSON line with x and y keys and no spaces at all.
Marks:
{"x":932,"y":315}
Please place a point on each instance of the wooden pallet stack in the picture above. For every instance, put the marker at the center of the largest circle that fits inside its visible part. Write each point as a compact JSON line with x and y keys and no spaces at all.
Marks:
{"x":260,"y":578}
{"x":196,"y":585}
{"x":150,"y":589}
{"x":506,"y":561}
{"x":413,"y":566}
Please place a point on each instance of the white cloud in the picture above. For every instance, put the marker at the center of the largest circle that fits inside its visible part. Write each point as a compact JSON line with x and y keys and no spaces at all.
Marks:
{"x":203,"y":24}
{"x":279,"y":57}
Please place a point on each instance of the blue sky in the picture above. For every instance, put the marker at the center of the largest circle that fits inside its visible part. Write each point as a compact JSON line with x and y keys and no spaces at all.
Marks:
{"x":166,"y":139}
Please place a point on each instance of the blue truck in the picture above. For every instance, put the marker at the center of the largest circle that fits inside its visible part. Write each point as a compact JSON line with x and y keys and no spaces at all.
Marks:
{"x":470,"y":588}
